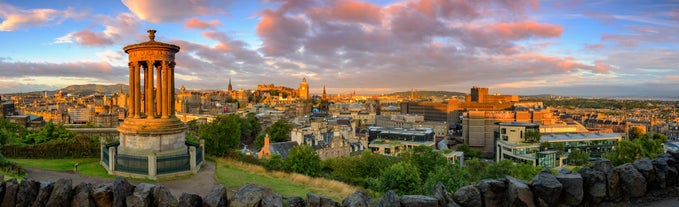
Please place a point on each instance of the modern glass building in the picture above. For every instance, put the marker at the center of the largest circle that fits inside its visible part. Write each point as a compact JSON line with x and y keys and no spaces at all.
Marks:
{"x":514,"y":142}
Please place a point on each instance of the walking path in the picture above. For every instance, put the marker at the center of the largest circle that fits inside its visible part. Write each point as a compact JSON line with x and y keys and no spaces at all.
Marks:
{"x":199,"y":184}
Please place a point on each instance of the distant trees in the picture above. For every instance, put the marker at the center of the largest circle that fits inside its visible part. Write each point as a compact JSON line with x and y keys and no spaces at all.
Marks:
{"x":303,"y":159}
{"x":578,"y":157}
{"x":279,"y":131}
{"x":49,"y":132}
{"x":646,"y":145}
{"x":425,"y":159}
{"x":403,"y":177}
{"x":469,"y":153}
{"x":221,"y":135}
{"x":11,"y":132}
{"x":532,"y":136}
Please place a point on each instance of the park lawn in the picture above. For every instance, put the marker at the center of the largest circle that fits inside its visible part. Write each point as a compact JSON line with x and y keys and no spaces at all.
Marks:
{"x":235,"y":174}
{"x":86,"y":166}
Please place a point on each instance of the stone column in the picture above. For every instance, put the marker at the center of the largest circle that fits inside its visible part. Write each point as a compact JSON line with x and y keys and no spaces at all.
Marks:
{"x":152,"y":166}
{"x":150,"y":112}
{"x":137,"y":89}
{"x":159,"y":91}
{"x":111,"y":160}
{"x":130,"y":98}
{"x":192,"y":159}
{"x":166,"y":91}
{"x":171,"y":74}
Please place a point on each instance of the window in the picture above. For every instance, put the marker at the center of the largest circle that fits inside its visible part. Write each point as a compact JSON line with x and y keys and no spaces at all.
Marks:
{"x":503,"y":131}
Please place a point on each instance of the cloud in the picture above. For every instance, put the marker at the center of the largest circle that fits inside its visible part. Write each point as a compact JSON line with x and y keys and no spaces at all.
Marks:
{"x":280,"y":33}
{"x":596,"y":46}
{"x":195,"y":23}
{"x":16,"y":18}
{"x":159,"y":11}
{"x":98,"y":70}
{"x":115,"y":29}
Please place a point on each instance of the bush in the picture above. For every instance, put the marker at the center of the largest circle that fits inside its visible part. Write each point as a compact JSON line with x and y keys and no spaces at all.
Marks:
{"x":403,"y":178}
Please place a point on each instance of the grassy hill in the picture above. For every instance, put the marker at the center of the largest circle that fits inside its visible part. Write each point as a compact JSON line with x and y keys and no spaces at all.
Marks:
{"x":89,"y":89}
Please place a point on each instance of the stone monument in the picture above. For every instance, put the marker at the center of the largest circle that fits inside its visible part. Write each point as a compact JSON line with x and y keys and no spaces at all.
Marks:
{"x":152,"y":140}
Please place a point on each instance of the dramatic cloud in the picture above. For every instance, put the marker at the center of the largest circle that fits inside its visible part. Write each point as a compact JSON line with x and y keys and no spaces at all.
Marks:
{"x":15,"y":18}
{"x":196,"y":23}
{"x":115,"y":29}
{"x":157,"y":11}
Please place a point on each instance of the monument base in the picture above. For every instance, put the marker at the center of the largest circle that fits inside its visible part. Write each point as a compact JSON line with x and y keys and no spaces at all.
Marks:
{"x":152,"y":149}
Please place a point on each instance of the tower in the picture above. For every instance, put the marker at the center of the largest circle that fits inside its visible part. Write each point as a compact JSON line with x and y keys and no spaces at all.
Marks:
{"x":152,"y":141}
{"x":229,"y":88}
{"x":303,"y":90}
{"x":325,"y":96}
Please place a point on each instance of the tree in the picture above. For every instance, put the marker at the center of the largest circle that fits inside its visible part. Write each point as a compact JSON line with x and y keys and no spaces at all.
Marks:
{"x":402,"y":177}
{"x":11,"y":132}
{"x":453,"y":177}
{"x":578,"y":157}
{"x":279,"y":131}
{"x":642,"y":146}
{"x":222,"y":135}
{"x":477,"y":168}
{"x":48,"y":132}
{"x":304,"y":160}
{"x":532,"y":135}
{"x":469,"y":153}
{"x":636,"y":132}
{"x":424,"y":159}
{"x":357,"y":170}
{"x":500,"y":169}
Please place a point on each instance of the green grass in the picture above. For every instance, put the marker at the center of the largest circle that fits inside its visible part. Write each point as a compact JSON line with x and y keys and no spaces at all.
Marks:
{"x":86,"y":166}
{"x":235,"y":174}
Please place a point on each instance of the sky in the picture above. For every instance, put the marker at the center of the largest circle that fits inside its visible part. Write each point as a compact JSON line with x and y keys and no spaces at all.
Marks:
{"x":525,"y":47}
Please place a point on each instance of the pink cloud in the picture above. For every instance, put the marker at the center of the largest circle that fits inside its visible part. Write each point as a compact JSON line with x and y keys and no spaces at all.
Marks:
{"x":16,"y":18}
{"x":115,"y":29}
{"x":350,"y":11}
{"x":566,"y":64}
{"x":596,"y":46}
{"x":280,"y":33}
{"x":86,"y":37}
{"x":157,"y":11}
{"x":521,"y":30}
{"x":196,"y":23}
{"x":675,"y":14}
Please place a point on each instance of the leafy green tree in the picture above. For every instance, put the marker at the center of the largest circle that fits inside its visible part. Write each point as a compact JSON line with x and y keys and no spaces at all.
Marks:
{"x":303,"y":159}
{"x":636,"y":132}
{"x":274,"y":163}
{"x":453,"y":177}
{"x":403,"y":177}
{"x":469,"y":153}
{"x":279,"y":131}
{"x":477,"y":168}
{"x":525,"y":171}
{"x":578,"y":157}
{"x":643,"y":146}
{"x":532,"y":136}
{"x":425,"y":159}
{"x":222,"y":135}
{"x":11,"y":132}
{"x":48,"y":132}
{"x":357,"y":170}
{"x":500,"y":169}
{"x":254,"y":124}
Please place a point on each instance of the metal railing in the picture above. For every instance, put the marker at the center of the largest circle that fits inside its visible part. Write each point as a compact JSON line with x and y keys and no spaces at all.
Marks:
{"x":173,"y":163}
{"x":104,"y":158}
{"x":132,"y":164}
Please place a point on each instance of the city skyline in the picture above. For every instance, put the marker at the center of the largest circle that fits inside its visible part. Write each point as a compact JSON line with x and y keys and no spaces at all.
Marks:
{"x":583,"y":48}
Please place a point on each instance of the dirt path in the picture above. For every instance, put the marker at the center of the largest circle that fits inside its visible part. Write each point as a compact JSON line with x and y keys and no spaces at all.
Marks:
{"x":199,"y":184}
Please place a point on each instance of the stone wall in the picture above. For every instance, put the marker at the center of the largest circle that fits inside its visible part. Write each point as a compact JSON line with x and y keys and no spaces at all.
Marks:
{"x":599,"y":185}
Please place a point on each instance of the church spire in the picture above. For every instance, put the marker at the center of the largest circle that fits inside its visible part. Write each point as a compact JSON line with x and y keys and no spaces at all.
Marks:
{"x":325,"y":96}
{"x":229,"y":88}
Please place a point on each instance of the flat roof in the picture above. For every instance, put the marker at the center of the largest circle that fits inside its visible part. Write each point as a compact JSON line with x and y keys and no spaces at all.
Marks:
{"x":579,"y":136}
{"x":518,"y":124}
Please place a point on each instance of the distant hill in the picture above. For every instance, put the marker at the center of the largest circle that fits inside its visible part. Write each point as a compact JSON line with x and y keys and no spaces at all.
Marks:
{"x":89,"y":89}
{"x":424,"y":94}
